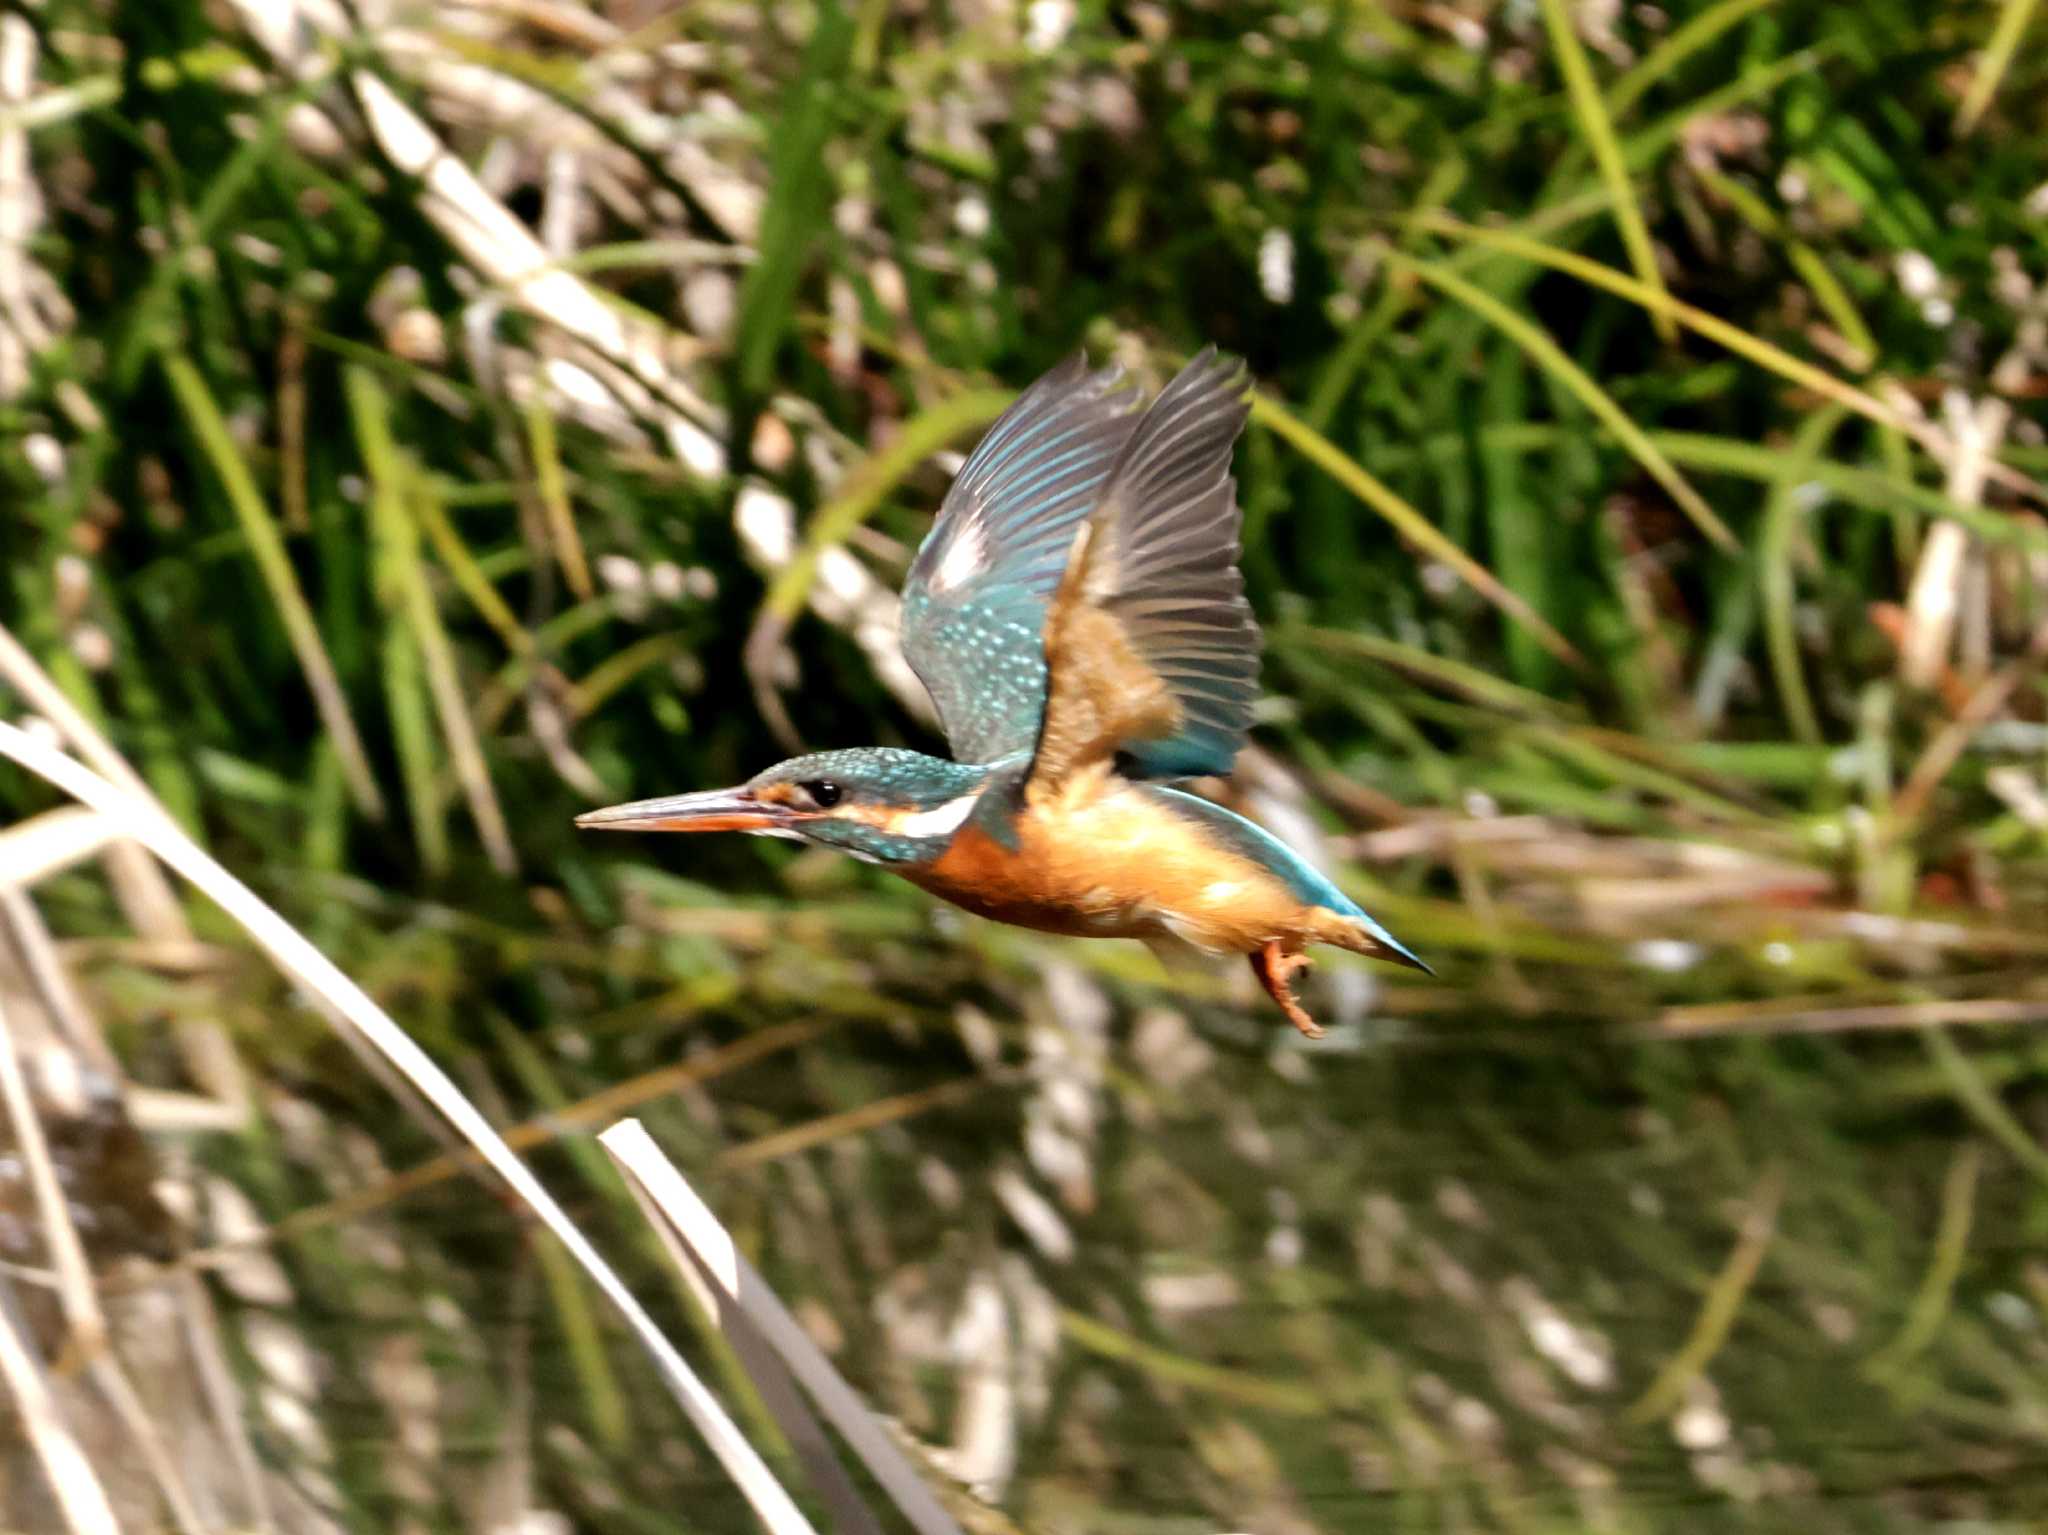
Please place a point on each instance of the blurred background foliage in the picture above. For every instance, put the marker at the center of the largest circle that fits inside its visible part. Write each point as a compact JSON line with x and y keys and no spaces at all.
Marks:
{"x":420,"y":423}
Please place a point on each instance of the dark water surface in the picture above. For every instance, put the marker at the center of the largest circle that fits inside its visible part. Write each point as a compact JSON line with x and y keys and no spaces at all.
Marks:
{"x":1170,"y":1271}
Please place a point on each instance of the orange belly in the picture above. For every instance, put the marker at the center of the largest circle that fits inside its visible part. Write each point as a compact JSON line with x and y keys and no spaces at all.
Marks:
{"x":1110,"y":861}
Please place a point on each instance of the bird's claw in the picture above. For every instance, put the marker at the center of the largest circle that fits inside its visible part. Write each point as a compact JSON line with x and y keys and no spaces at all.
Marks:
{"x":1275,"y":968}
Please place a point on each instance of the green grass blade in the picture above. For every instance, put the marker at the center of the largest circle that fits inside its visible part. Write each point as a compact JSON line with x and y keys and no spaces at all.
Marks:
{"x":393,"y":540}
{"x":1551,"y":357}
{"x":1407,"y":521}
{"x":794,"y":217}
{"x":396,"y":485}
{"x":552,"y":486}
{"x":273,"y":564}
{"x":1695,"y":35}
{"x":1775,"y":552}
{"x":429,"y":504}
{"x":1719,"y":331}
{"x":1598,"y":130}
{"x":2013,"y":17}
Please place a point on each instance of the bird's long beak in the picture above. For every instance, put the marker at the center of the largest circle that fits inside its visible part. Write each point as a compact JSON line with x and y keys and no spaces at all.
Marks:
{"x":713,"y":810}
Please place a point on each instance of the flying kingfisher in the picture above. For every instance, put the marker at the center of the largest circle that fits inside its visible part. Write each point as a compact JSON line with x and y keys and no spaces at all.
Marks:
{"x":1077,"y":615}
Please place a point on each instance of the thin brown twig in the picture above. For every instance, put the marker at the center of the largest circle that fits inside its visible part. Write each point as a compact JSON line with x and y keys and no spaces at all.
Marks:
{"x":1948,"y":746}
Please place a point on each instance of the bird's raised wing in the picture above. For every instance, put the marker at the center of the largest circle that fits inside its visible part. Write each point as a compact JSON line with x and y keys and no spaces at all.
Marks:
{"x":1152,"y":651}
{"x":974,"y":606}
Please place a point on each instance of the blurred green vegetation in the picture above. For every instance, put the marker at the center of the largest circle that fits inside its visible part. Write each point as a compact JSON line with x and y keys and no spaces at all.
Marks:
{"x":1635,"y":382}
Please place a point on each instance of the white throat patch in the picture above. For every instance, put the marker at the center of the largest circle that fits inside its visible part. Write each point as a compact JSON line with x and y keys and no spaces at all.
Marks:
{"x":942,"y":820}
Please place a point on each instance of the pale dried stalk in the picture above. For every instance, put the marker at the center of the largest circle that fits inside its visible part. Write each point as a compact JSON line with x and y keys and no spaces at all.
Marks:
{"x":223,"y":1396}
{"x":144,"y":894}
{"x":739,"y":1291}
{"x":50,"y":843}
{"x":53,"y":985}
{"x":17,"y":205}
{"x":75,"y":1292}
{"x":491,"y":238}
{"x":80,"y":1497}
{"x":350,"y":1008}
{"x":1932,"y":605}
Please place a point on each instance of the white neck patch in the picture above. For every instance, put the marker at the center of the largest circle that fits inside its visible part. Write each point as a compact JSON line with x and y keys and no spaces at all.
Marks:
{"x":941,"y":821}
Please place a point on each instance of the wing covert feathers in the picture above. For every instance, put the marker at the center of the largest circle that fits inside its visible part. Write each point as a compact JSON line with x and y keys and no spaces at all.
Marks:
{"x":974,"y":606}
{"x":1151,"y":647}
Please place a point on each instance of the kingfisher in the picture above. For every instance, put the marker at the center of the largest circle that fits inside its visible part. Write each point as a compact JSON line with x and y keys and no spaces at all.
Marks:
{"x":1077,"y":615}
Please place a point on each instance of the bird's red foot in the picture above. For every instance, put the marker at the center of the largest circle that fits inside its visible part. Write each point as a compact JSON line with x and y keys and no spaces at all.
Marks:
{"x":1274,"y":967}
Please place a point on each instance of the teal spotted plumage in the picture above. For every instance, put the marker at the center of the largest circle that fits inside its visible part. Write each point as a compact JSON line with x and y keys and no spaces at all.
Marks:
{"x":1077,"y":615}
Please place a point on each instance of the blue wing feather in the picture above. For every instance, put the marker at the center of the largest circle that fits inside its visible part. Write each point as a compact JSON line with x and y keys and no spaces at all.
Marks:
{"x":975,"y":602}
{"x":1162,"y":562}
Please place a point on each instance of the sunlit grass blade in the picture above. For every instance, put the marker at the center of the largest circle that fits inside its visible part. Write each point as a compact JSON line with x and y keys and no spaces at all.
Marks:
{"x":551,"y":486}
{"x":1996,"y":59}
{"x":1407,"y":521}
{"x":1548,"y":355}
{"x":794,"y":216}
{"x":1827,"y":289}
{"x":1598,"y":130}
{"x":1779,"y":593}
{"x":1860,"y":486}
{"x":1719,"y":331}
{"x":430,"y":506}
{"x":405,"y":690}
{"x":1934,"y":1300}
{"x":1473,"y":682}
{"x":1701,"y":32}
{"x":266,"y":547}
{"x":1723,"y":1303}
{"x":394,"y":484}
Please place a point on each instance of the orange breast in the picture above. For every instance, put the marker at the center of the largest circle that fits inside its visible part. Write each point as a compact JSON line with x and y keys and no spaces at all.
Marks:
{"x":1105,"y":859}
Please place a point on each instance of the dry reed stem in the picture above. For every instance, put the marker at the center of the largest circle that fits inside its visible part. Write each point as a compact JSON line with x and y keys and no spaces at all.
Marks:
{"x":1946,"y":749}
{"x":50,"y":843}
{"x":740,"y":1291}
{"x":223,"y":1395}
{"x":770,"y":1381}
{"x":1714,"y":1019}
{"x":347,"y":1004}
{"x":53,"y":984}
{"x":75,"y":1293}
{"x":145,"y":895}
{"x":18,"y":340}
{"x":80,"y":1497}
{"x":1933,"y":603}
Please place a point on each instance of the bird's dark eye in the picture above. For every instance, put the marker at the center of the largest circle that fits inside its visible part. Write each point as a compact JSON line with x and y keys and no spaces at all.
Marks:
{"x":824,"y":792}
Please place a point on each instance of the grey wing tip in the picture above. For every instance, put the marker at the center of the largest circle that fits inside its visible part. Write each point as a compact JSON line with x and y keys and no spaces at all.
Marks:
{"x":1212,"y":380}
{"x":1072,"y":375}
